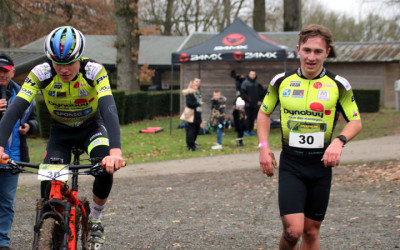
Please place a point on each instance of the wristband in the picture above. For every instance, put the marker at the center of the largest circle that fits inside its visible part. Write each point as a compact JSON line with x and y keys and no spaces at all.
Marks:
{"x":263,"y":144}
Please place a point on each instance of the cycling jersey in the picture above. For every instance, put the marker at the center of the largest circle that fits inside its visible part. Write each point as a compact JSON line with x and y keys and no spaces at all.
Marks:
{"x":309,"y":108}
{"x":69,"y":103}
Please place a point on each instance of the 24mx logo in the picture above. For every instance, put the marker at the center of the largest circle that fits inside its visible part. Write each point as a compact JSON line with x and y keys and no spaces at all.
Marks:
{"x":233,"y":39}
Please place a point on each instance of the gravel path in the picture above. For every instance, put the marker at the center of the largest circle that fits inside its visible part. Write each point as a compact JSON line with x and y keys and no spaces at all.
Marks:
{"x":179,"y":205}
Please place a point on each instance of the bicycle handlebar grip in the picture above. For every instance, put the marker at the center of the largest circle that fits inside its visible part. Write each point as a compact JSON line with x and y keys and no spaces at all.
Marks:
{"x":2,"y":161}
{"x":122,"y":165}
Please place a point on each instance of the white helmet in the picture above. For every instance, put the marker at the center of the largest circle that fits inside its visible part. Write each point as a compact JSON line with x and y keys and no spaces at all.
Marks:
{"x":64,"y":45}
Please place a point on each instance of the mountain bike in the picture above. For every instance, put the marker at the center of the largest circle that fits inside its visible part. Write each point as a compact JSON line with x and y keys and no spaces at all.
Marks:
{"x":62,"y":220}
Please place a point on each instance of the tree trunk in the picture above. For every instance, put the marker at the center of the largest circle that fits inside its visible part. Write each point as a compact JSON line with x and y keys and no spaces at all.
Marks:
{"x":291,"y":15}
{"x":127,"y":44}
{"x":5,"y":22}
{"x":259,"y":15}
{"x":168,"y":18}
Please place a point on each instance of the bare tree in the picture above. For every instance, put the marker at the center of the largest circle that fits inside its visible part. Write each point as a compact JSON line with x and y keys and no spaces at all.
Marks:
{"x":192,"y":15}
{"x":291,"y":15}
{"x":259,"y":15}
{"x":31,"y":20}
{"x":346,"y":28}
{"x":5,"y":21}
{"x":168,"y":18}
{"x":127,"y":44}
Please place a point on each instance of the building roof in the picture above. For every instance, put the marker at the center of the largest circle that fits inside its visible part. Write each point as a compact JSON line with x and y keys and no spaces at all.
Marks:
{"x":154,"y":50}
{"x":366,"y":52}
{"x":24,"y":59}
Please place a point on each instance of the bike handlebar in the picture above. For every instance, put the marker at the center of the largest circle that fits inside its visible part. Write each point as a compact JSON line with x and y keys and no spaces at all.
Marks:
{"x":37,"y":165}
{"x":18,"y":165}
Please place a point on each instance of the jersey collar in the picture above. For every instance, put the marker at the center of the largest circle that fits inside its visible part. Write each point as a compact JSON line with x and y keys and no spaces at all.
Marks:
{"x":320,"y":75}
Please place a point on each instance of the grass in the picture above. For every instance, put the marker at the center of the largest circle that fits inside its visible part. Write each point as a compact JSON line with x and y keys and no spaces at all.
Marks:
{"x":141,"y":147}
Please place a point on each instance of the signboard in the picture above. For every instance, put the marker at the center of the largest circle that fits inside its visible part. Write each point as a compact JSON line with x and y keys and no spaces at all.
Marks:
{"x":397,"y":85}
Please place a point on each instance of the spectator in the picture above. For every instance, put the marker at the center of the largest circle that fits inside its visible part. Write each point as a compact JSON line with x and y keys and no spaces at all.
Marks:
{"x":239,"y":116}
{"x":16,"y":148}
{"x":217,"y":117}
{"x":252,"y":93}
{"x":194,"y":101}
{"x":238,"y":81}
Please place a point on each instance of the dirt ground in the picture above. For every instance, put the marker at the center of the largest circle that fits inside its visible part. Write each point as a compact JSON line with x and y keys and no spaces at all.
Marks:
{"x":232,"y":209}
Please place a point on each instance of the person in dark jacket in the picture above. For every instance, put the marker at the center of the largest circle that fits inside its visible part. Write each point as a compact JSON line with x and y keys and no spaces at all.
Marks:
{"x":193,"y":101}
{"x":252,"y":93}
{"x":238,"y":81}
{"x":16,"y":148}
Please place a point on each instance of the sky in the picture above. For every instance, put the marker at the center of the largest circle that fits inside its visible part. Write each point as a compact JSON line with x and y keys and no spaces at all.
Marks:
{"x":360,"y":8}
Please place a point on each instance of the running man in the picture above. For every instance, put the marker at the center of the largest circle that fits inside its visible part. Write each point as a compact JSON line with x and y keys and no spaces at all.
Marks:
{"x":311,"y":98}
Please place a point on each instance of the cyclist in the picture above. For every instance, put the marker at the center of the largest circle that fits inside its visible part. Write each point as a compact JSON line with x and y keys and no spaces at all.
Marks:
{"x":311,"y":98}
{"x":79,"y":99}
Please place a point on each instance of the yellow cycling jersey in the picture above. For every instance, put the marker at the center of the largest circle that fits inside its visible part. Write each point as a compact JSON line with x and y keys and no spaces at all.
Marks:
{"x":309,"y":108}
{"x":70,"y":103}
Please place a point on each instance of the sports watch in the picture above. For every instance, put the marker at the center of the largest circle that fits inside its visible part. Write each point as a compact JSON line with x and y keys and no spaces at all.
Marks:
{"x":342,"y":138}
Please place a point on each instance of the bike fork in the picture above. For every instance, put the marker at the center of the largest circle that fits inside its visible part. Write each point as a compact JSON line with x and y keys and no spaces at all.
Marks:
{"x":40,"y":215}
{"x":39,"y":212}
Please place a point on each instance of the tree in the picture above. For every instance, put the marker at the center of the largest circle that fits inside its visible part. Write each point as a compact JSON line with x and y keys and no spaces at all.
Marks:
{"x":345,"y":28}
{"x":188,"y":16}
{"x":259,"y":15}
{"x":127,"y":44}
{"x":5,"y":21}
{"x":168,"y":18}
{"x":291,"y":15}
{"x":23,"y":21}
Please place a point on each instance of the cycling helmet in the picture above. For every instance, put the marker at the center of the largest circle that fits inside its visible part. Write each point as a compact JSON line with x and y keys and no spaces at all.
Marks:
{"x":64,"y":45}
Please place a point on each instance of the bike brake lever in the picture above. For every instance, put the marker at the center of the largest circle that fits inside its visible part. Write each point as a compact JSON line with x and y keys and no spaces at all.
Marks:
{"x":13,"y":167}
{"x":97,"y":169}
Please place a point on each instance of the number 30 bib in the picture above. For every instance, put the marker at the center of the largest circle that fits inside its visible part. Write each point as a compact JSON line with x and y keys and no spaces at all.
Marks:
{"x":306,"y":135}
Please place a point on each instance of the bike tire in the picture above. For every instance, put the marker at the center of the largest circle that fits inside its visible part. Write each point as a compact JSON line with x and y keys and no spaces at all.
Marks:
{"x":81,"y":236}
{"x":50,"y":235}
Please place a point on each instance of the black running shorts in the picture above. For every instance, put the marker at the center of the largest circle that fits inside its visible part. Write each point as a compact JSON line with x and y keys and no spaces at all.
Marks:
{"x":304,"y":186}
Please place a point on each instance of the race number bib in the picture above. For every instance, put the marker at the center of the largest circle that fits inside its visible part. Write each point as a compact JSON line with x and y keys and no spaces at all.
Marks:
{"x":306,"y":135}
{"x":48,"y":172}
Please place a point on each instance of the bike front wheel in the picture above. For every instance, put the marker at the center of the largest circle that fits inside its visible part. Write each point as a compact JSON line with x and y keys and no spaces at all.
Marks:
{"x":50,"y":235}
{"x":81,"y":226}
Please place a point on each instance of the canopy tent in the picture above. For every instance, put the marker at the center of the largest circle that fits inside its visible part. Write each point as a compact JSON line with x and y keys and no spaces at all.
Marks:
{"x":237,"y":42}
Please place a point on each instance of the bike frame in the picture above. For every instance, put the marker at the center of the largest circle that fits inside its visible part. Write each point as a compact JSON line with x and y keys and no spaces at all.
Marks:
{"x":64,"y":201}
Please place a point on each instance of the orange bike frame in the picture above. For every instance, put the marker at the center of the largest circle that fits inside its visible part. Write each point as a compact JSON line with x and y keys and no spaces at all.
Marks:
{"x":61,"y":191}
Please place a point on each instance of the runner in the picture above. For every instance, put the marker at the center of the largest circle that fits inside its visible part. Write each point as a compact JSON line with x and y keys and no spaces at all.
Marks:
{"x":311,"y":98}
